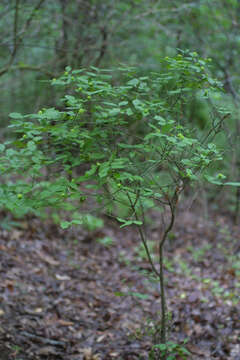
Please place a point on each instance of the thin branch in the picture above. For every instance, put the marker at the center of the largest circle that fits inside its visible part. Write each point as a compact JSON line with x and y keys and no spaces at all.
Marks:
{"x":15,"y":29}
{"x":172,"y":203}
{"x":215,"y":129}
{"x":17,"y":38}
{"x":29,"y":20}
{"x":142,"y":236}
{"x":33,"y":68}
{"x":103,"y":46}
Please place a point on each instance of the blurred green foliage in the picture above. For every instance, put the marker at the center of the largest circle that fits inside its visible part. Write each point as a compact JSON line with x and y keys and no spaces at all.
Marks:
{"x":40,"y":38}
{"x":127,"y":145}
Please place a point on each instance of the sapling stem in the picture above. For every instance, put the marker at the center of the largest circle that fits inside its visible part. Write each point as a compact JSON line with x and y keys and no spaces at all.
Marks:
{"x":142,"y":236}
{"x":160,"y":274}
{"x":172,"y":206}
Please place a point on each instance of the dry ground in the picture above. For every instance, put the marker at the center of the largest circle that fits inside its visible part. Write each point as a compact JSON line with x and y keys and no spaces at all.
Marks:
{"x":59,"y":291}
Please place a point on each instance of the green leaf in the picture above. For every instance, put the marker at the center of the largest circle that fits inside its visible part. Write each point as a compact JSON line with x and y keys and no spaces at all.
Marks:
{"x":123,"y":103}
{"x":91,"y":171}
{"x":15,"y":115}
{"x":137,"y":103}
{"x":130,"y":222}
{"x":160,"y":120}
{"x":10,"y":152}
{"x":2,"y":147}
{"x":92,"y":222}
{"x":185,"y":351}
{"x":137,"y":222}
{"x":77,"y":222}
{"x":213,"y":180}
{"x":31,"y":146}
{"x":127,"y":223}
{"x":65,"y":224}
{"x":51,"y":114}
{"x":114,"y":111}
{"x":121,"y":220}
{"x":133,"y":82}
{"x":106,"y":241}
{"x":162,"y":347}
{"x":138,"y":295}
{"x":129,"y":112}
{"x":119,"y":293}
{"x":232,"y":183}
{"x":103,"y":169}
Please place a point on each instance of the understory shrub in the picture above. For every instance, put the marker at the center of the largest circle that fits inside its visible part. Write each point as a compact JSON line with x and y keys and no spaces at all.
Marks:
{"x":115,"y":146}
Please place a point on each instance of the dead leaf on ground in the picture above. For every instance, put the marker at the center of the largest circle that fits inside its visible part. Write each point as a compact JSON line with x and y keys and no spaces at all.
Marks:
{"x":47,"y":350}
{"x":88,"y":355}
{"x":47,"y":258}
{"x":62,"y":277}
{"x":65,"y":322}
{"x":195,"y":350}
{"x":16,"y":234}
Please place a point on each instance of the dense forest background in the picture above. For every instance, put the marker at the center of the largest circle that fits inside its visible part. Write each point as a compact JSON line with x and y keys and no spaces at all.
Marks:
{"x":134,"y":137}
{"x":39,"y":39}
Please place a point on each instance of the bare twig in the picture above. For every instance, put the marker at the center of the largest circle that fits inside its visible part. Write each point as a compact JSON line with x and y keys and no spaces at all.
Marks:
{"x":27,"y":67}
{"x":172,"y":204}
{"x":142,"y":236}
{"x":18,"y":36}
{"x":42,"y":339}
{"x":103,"y":46}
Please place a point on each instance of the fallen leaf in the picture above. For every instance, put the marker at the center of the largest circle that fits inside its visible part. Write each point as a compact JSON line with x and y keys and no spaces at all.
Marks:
{"x":196,"y":350}
{"x":16,"y":234}
{"x":194,"y":296}
{"x":38,"y":310}
{"x":47,"y":258}
{"x":101,"y":338}
{"x":88,"y":355}
{"x":9,"y":284}
{"x":47,"y":350}
{"x":62,"y":277}
{"x":65,"y":322}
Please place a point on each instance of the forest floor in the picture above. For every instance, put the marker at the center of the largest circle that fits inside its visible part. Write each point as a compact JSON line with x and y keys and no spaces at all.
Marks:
{"x":74,"y":295}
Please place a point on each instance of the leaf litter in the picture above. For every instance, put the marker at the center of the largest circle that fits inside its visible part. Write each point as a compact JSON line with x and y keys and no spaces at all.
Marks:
{"x":65,"y":295}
